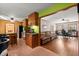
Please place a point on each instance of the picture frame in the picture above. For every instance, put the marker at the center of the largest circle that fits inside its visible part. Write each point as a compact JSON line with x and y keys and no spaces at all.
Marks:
{"x":9,"y":28}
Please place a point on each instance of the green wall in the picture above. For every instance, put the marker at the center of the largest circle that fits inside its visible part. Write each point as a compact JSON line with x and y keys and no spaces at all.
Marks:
{"x":54,"y":8}
{"x":35,"y":28}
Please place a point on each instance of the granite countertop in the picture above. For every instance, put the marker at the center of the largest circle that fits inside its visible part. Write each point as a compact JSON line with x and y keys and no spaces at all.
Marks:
{"x":32,"y":33}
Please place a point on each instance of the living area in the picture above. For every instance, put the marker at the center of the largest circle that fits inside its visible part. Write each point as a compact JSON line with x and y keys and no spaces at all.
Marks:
{"x":60,"y":30}
{"x":49,"y":30}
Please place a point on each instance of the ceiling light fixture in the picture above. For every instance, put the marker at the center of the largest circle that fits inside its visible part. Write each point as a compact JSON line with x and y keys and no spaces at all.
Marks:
{"x":12,"y":19}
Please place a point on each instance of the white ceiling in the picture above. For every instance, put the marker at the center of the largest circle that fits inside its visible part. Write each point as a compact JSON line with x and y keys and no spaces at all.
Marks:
{"x":72,"y":12}
{"x":20,"y":10}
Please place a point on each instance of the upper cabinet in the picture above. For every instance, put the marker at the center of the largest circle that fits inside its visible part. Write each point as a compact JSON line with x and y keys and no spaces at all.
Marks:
{"x":33,"y":19}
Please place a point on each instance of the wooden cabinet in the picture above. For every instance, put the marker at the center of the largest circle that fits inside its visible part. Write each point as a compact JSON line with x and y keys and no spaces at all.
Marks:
{"x":26,"y":22}
{"x":28,"y":40}
{"x":13,"y":38}
{"x":32,"y":40}
{"x":33,"y":19}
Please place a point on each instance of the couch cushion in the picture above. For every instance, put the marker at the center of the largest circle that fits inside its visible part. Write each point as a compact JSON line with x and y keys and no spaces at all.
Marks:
{"x":4,"y":52}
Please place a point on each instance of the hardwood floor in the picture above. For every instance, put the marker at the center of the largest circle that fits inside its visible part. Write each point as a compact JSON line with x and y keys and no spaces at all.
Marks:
{"x":66,"y":47}
{"x":61,"y":47}
{"x":21,"y":49}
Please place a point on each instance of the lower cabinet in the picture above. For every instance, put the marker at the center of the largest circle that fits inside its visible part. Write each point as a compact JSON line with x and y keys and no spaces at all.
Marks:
{"x":13,"y":38}
{"x":32,"y":40}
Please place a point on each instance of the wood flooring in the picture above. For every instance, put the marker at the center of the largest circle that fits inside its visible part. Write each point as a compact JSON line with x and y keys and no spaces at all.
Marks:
{"x":60,"y":46}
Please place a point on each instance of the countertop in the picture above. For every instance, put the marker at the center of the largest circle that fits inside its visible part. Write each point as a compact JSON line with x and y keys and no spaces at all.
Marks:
{"x":31,"y":33}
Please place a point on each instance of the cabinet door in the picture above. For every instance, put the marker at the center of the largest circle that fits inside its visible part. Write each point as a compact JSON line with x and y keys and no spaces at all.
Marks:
{"x":35,"y":40}
{"x":33,"y":19}
{"x":13,"y":39}
{"x":29,"y":40}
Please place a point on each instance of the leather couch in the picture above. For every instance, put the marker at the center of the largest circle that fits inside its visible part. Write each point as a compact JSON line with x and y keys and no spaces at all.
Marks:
{"x":3,"y":45}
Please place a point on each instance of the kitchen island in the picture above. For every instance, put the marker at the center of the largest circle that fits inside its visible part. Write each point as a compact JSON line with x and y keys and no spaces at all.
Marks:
{"x":32,"y":39}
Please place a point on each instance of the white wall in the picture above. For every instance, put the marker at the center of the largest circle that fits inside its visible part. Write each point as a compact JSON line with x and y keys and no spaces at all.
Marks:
{"x":68,"y":15}
{"x":46,"y":23}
